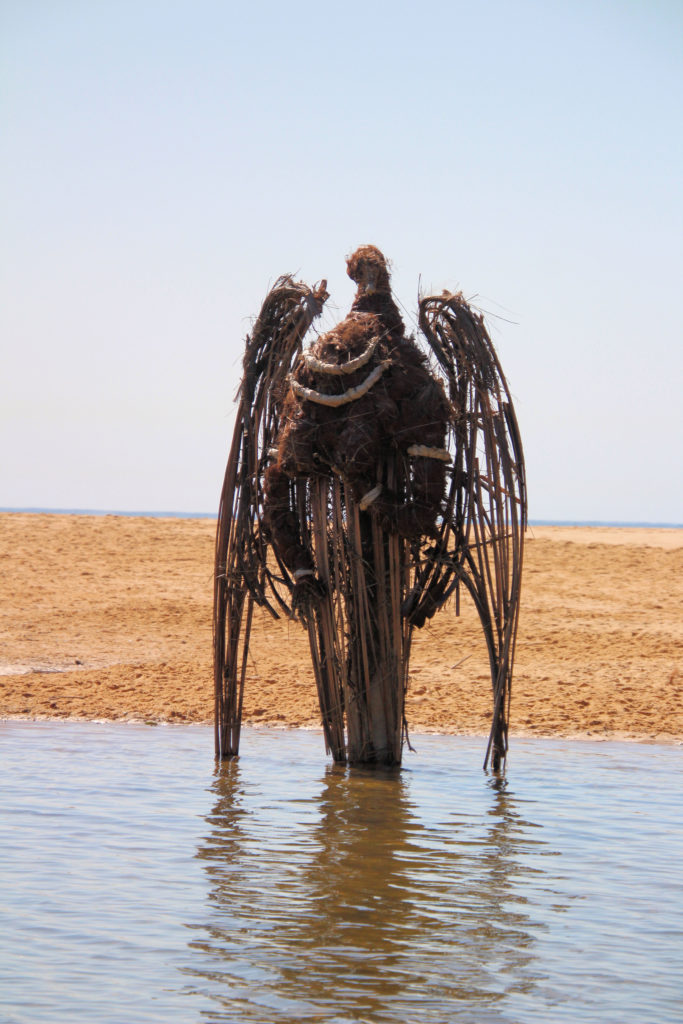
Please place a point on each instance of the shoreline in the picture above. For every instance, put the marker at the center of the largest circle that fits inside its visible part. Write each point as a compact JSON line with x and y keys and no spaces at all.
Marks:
{"x":109,"y":618}
{"x":568,"y":737}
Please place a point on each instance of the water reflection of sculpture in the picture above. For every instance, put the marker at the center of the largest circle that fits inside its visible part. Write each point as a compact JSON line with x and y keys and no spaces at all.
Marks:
{"x":363,"y":488}
{"x":355,"y":904}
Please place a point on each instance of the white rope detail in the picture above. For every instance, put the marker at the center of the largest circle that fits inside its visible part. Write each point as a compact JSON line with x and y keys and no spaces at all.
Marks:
{"x":337,"y":369}
{"x":368,"y":498}
{"x":442,"y":454}
{"x":346,"y":396}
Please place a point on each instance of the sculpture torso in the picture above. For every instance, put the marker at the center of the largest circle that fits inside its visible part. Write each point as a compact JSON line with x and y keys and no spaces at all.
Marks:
{"x":351,"y":423}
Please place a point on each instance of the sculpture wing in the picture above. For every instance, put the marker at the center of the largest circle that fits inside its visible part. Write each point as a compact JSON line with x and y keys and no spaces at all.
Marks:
{"x":482,"y":536}
{"x":243,"y":575}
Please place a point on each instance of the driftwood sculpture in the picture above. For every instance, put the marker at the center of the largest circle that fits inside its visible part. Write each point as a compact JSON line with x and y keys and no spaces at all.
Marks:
{"x":363,"y":489}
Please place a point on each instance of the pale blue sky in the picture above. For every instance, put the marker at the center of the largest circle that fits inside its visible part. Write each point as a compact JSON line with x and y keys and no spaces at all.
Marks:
{"x":163,"y":162}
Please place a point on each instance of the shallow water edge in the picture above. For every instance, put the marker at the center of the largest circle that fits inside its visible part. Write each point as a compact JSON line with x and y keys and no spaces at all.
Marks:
{"x":522,"y":734}
{"x":143,"y":882}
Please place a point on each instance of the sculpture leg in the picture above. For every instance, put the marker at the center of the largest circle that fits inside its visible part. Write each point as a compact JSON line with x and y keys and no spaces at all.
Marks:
{"x":356,"y":635}
{"x":230,"y":670}
{"x":376,"y":657}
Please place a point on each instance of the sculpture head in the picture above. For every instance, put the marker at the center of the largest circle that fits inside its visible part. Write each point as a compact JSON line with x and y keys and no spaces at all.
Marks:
{"x":368,"y":268}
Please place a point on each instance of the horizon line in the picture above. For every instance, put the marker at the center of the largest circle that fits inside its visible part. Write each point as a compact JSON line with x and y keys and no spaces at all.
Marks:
{"x":175,"y":514}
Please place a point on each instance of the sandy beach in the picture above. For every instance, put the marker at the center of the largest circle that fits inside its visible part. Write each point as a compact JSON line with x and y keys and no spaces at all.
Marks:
{"x":109,"y":617}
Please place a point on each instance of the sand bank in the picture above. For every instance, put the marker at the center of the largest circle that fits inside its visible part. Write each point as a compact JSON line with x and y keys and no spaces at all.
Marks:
{"x":109,"y":617}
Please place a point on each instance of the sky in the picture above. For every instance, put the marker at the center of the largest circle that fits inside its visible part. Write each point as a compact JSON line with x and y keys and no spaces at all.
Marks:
{"x":162,"y":162}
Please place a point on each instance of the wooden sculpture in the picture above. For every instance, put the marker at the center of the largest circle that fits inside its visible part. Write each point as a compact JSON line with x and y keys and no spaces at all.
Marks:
{"x":363,"y":487}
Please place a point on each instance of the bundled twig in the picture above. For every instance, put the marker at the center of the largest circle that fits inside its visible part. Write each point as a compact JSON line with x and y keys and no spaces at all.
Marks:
{"x":242,"y":570}
{"x":483,"y":538}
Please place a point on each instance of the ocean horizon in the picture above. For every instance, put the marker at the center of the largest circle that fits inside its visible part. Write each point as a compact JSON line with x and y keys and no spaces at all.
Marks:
{"x":174,"y":514}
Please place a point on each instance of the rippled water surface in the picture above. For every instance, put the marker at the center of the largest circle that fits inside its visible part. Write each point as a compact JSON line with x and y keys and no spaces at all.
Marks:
{"x":140,"y":885}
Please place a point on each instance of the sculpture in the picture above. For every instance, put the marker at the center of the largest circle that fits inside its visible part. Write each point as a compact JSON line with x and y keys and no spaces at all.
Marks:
{"x":363,"y":488}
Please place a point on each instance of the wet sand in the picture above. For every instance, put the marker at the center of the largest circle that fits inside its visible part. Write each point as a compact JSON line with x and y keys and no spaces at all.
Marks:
{"x":109,"y":617}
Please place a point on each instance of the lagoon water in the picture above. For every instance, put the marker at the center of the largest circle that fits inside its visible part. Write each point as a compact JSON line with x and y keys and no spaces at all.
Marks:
{"x":139,"y":884}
